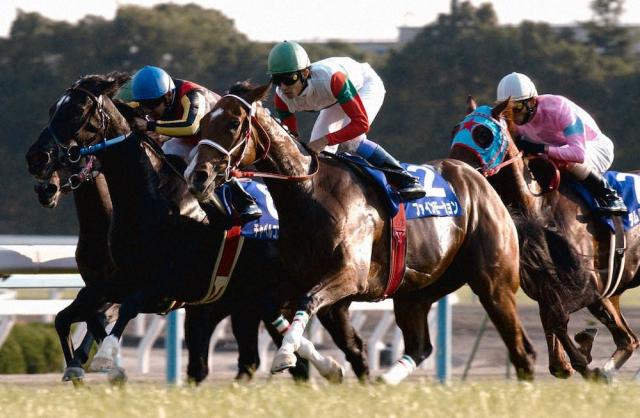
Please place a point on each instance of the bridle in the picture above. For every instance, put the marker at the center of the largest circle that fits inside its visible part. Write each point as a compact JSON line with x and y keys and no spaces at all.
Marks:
{"x":231,"y":169}
{"x":100,"y":131}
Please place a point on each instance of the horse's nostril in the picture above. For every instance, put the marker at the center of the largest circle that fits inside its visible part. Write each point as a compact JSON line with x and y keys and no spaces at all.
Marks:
{"x":50,"y":189}
{"x":200,"y":176}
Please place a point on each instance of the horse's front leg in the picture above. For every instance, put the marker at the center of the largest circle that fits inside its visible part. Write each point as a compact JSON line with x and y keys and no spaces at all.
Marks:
{"x":107,"y":357}
{"x":199,"y":323}
{"x":326,"y":293}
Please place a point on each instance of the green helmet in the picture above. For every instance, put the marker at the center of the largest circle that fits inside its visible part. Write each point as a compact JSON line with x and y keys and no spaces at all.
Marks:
{"x":287,"y":57}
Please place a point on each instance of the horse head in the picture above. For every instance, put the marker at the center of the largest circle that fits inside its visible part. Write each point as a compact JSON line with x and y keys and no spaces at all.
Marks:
{"x":482,"y":139}
{"x":228,"y":139}
{"x":80,"y":116}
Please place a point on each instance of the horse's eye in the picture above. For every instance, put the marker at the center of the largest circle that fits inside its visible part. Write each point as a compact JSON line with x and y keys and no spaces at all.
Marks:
{"x":482,"y":136}
{"x":234,"y":124}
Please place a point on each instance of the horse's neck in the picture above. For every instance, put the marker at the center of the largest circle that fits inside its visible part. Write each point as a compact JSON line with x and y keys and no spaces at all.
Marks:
{"x":93,"y":206}
{"x":512,"y":187}
{"x":286,"y":158}
{"x":133,"y":183}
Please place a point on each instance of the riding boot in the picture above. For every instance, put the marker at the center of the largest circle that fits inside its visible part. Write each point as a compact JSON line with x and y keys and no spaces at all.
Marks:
{"x":243,"y":202}
{"x":408,"y":186}
{"x":608,"y":199}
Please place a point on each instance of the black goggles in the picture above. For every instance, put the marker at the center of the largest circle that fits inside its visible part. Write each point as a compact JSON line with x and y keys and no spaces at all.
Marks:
{"x":150,"y":104}
{"x":288,"y":79}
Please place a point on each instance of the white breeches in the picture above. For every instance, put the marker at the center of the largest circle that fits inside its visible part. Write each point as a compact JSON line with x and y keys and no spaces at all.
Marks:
{"x":598,"y":157}
{"x":333,"y":118}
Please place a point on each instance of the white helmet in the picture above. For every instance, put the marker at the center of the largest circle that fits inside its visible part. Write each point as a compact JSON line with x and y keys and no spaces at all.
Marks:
{"x":517,"y":86}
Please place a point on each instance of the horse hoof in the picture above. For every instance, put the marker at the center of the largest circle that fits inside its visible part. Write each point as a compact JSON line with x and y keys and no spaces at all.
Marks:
{"x":333,"y":371}
{"x":282,"y":361}
{"x":101,"y":364}
{"x":117,"y":376}
{"x":73,"y":373}
{"x":585,"y":340}
{"x":561,"y":373}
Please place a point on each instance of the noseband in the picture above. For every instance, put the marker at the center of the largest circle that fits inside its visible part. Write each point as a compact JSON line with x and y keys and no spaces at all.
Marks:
{"x":97,"y":107}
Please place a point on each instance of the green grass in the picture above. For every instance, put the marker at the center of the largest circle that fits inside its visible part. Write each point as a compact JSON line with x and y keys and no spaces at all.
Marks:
{"x":490,"y":398}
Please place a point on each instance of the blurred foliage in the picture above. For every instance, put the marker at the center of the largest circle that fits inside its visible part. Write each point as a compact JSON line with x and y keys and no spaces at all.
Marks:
{"x":31,"y":348}
{"x":427,"y":80}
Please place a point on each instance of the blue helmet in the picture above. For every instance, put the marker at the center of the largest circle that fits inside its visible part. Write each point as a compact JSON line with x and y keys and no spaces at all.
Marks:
{"x":151,"y":83}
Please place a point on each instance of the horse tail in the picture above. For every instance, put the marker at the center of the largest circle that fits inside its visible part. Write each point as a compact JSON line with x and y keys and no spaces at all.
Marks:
{"x":551,"y":270}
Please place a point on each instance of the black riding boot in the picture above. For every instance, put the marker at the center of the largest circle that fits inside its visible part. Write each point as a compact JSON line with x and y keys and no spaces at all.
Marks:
{"x":408,"y":186}
{"x":243,"y":202}
{"x":609,"y":202}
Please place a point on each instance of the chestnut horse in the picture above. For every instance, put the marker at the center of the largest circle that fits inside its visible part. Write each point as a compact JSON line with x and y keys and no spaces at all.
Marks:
{"x":566,"y":257}
{"x":334,"y":234}
{"x":243,"y":299}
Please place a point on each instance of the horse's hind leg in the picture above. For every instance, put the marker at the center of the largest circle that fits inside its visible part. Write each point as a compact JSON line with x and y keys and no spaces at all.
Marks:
{"x":337,"y":322}
{"x":608,"y":312}
{"x":499,"y":303}
{"x":412,"y":317}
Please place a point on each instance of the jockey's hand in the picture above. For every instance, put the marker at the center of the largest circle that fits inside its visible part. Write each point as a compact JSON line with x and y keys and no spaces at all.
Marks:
{"x":530,"y":148}
{"x":319,"y":144}
{"x":140,"y":124}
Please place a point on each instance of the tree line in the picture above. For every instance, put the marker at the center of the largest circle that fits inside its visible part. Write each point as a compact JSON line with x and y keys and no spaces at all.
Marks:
{"x":463,"y":52}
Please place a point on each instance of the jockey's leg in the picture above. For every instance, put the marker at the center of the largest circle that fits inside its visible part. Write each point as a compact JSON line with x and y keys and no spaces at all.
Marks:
{"x":408,"y":186}
{"x":608,"y":199}
{"x":243,"y":202}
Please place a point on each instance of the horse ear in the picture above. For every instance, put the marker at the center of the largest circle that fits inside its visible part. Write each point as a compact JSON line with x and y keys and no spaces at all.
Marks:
{"x":259,"y":93}
{"x":497,"y":110}
{"x":471,"y":104}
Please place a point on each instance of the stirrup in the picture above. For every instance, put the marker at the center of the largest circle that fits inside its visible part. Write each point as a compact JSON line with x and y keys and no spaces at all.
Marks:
{"x":613,"y":206}
{"x":250,"y":213}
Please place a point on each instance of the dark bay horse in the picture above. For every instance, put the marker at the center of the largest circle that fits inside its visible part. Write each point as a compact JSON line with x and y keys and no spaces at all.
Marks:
{"x":241,"y":298}
{"x":334,"y":234}
{"x":565,"y":259}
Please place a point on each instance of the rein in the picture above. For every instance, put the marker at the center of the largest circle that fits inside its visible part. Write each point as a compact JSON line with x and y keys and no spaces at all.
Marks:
{"x":493,"y":171}
{"x":232,"y":169}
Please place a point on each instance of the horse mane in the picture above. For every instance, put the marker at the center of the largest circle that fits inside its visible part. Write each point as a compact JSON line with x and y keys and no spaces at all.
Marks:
{"x":98,"y":84}
{"x":241,"y":87}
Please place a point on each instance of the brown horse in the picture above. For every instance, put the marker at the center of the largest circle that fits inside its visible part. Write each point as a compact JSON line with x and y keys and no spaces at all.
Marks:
{"x":334,"y":233}
{"x":565,"y":259}
{"x":94,"y":210}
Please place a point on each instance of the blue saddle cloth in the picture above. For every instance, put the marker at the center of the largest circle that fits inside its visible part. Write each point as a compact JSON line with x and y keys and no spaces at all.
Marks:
{"x":267,"y":227}
{"x":439,"y":201}
{"x":628,"y":186}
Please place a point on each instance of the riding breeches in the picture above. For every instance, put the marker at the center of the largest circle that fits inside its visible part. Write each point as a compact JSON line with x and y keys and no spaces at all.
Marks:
{"x":181,"y":147}
{"x":598,"y":157}
{"x":333,"y":118}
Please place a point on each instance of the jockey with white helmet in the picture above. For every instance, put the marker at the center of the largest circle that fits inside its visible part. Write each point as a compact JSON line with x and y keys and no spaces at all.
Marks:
{"x":556,"y":126}
{"x":348,"y":95}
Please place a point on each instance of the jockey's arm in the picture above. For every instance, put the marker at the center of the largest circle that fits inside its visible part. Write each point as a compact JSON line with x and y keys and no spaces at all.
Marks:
{"x":347,"y":96}
{"x":194,"y":107}
{"x":574,"y":133}
{"x":285,"y":115}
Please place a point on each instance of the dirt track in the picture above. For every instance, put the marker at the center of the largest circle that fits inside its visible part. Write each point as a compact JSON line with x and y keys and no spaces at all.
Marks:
{"x":490,"y":360}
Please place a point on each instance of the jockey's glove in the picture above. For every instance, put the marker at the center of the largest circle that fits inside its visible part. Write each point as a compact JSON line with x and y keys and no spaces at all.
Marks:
{"x":530,"y":148}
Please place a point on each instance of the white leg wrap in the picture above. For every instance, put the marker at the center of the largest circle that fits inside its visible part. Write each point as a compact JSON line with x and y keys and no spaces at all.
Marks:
{"x":293,"y":336}
{"x":402,"y":368}
{"x":107,"y":354}
{"x":609,"y":369}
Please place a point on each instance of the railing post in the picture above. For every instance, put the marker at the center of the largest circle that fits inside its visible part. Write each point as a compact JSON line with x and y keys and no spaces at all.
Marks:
{"x":174,"y":348}
{"x":443,"y":350}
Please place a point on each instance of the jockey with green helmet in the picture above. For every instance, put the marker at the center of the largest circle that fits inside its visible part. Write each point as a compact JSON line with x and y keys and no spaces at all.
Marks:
{"x":556,"y":126}
{"x":348,"y":94}
{"x":174,"y":108}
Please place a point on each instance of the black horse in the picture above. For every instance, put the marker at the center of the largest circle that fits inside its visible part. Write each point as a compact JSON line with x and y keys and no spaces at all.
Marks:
{"x":162,"y":249}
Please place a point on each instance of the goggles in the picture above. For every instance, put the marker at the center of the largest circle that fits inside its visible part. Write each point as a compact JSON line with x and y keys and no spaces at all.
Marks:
{"x":288,"y":79}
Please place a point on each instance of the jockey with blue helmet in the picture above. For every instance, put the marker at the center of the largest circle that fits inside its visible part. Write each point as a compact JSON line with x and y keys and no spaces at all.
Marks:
{"x":174,"y":108}
{"x":554,"y":125}
{"x":348,"y":94}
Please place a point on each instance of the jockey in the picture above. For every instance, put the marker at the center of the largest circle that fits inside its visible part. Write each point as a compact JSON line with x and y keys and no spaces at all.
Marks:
{"x":348,"y":95}
{"x":554,"y":125}
{"x":175,"y":108}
